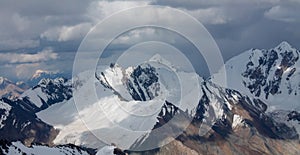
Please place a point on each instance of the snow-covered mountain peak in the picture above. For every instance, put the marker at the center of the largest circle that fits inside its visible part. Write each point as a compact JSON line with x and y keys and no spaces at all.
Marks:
{"x":38,"y":73}
{"x":46,"y":81}
{"x":41,"y":74}
{"x":48,"y":92}
{"x":161,"y":60}
{"x":139,"y":83}
{"x":271,"y":75}
{"x":283,"y":45}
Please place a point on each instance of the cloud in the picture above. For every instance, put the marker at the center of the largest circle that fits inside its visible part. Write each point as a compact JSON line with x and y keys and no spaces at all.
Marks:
{"x":145,"y":34}
{"x":96,"y":11}
{"x":21,"y":21}
{"x":203,"y":4}
{"x":32,"y":25}
{"x":12,"y":44}
{"x":286,"y":12}
{"x":67,"y":33}
{"x":26,"y":70}
{"x":44,"y":55}
{"x":211,"y":15}
{"x":99,"y":10}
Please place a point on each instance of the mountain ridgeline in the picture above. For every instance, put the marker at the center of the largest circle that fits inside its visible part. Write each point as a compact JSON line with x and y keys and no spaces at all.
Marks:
{"x":255,"y":112}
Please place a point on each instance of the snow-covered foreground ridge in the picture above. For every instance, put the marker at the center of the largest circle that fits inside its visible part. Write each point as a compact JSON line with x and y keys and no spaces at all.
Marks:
{"x":17,"y":148}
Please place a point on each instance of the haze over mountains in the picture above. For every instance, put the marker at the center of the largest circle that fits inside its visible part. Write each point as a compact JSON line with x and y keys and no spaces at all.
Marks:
{"x":257,"y":112}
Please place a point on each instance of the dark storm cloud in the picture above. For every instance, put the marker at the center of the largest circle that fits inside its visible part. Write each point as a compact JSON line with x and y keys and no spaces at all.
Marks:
{"x":241,"y":25}
{"x":29,"y":27}
{"x":187,"y":4}
{"x":22,"y":22}
{"x":33,"y":25}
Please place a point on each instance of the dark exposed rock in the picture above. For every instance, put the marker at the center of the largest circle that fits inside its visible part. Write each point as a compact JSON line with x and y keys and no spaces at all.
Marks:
{"x":261,"y":79}
{"x":141,"y":80}
{"x":294,"y":115}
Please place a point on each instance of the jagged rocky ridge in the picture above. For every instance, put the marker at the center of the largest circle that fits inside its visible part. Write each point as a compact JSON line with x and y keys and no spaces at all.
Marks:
{"x":46,"y":93}
{"x":242,"y":123}
{"x":241,"y":127}
{"x":140,"y":83}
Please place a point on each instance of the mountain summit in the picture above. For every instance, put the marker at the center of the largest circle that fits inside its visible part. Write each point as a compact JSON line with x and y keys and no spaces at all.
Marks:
{"x":270,"y":75}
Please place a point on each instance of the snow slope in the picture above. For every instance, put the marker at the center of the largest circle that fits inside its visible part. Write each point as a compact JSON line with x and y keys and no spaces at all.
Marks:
{"x":17,"y":148}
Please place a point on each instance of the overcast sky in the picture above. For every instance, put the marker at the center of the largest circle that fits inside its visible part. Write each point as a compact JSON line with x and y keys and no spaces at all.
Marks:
{"x":45,"y":34}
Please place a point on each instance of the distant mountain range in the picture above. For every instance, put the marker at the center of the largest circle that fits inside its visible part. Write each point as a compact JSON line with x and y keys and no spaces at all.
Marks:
{"x":10,"y":89}
{"x":13,"y":90}
{"x":255,"y":112}
{"x":42,"y":74}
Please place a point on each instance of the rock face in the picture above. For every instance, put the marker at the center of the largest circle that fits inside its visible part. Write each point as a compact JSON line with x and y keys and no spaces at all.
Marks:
{"x":272,"y":71}
{"x":139,"y":83}
{"x":20,"y":124}
{"x":166,"y":127}
{"x":143,"y":83}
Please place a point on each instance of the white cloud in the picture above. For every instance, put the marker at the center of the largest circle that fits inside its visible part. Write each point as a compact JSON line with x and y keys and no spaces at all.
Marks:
{"x":25,"y":71}
{"x":135,"y":36}
{"x":51,"y":34}
{"x":22,"y":21}
{"x":44,"y":55}
{"x":74,"y":32}
{"x":67,"y":33}
{"x":98,"y":10}
{"x":284,"y":12}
